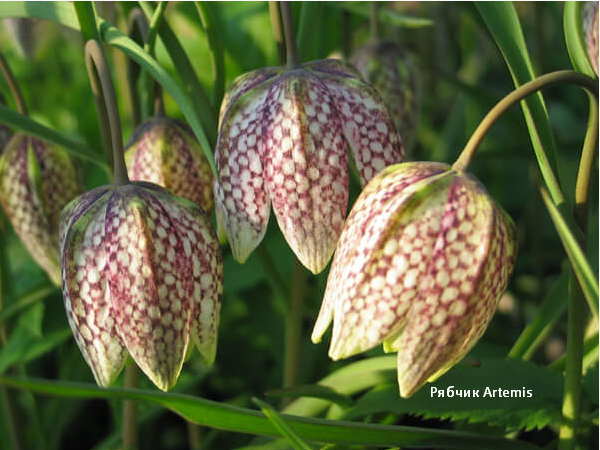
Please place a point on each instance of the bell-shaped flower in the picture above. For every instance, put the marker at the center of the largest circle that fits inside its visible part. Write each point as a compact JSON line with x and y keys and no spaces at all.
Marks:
{"x":282,"y":140}
{"x":37,"y":180}
{"x":165,"y":152}
{"x":388,"y":68}
{"x":420,"y":267}
{"x":589,"y":23}
{"x":142,"y":274}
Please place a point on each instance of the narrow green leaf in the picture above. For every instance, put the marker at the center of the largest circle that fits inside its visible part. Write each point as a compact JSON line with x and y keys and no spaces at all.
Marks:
{"x":113,"y":36}
{"x":574,"y":38}
{"x":503,"y":387}
{"x":16,"y":120}
{"x":353,"y":378}
{"x":34,"y":295}
{"x":61,"y":12}
{"x":503,"y":23}
{"x":88,"y":24}
{"x":552,"y":307}
{"x":217,"y":54}
{"x":241,"y":420}
{"x":313,"y":391}
{"x":386,"y":15}
{"x":23,"y":346}
{"x":590,"y":355}
{"x":584,"y":273}
{"x":292,"y":438}
{"x":309,"y":14}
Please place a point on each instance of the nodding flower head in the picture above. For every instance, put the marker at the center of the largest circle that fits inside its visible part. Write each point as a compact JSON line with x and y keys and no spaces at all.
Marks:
{"x":421,"y":264}
{"x":282,"y":139}
{"x":37,"y":180}
{"x":164,"y":151}
{"x":142,"y":274}
{"x":388,"y":68}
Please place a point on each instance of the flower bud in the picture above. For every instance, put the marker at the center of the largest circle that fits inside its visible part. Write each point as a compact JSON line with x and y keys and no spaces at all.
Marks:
{"x":421,"y":264}
{"x":165,"y":152}
{"x":142,"y":273}
{"x":282,"y":139}
{"x":386,"y":66}
{"x":37,"y":180}
{"x":589,"y":22}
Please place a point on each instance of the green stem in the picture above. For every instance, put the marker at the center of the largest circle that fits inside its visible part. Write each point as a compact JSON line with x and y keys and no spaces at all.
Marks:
{"x":292,"y":58}
{"x":293,"y":327}
{"x":155,"y":21}
{"x":277,"y":27}
{"x":130,"y":410}
{"x":106,"y":104}
{"x":276,"y":283}
{"x":15,"y":90}
{"x":194,"y":436}
{"x":523,"y":91}
{"x":374,"y":22}
{"x":136,"y":24}
{"x":577,"y":308}
{"x":217,"y":55}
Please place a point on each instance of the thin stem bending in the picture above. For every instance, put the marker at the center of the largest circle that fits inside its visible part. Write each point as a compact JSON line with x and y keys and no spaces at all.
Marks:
{"x":106,"y":104}
{"x":15,"y":90}
{"x":550,"y":79}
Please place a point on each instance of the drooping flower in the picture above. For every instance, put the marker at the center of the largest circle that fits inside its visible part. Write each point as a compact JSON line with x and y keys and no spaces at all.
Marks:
{"x":421,"y":264}
{"x":164,"y":151}
{"x":282,"y":139}
{"x":37,"y":180}
{"x":387,"y":67}
{"x":142,"y":274}
{"x":589,"y":22}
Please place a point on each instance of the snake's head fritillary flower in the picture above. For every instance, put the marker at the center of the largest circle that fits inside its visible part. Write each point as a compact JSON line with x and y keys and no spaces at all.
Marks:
{"x":142,"y":274}
{"x":282,"y":140}
{"x":387,"y":67}
{"x":165,"y":152}
{"x":589,"y":22}
{"x":37,"y":180}
{"x":421,"y":264}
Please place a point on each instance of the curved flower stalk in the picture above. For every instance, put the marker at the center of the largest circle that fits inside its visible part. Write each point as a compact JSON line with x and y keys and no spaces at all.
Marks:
{"x":386,"y":66}
{"x":165,"y":152}
{"x":421,"y":264}
{"x":142,"y":274}
{"x":589,"y":22}
{"x":37,"y":180}
{"x":282,"y":138}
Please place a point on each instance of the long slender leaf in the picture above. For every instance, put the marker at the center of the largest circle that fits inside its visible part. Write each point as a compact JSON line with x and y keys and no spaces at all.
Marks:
{"x":574,"y":38}
{"x":552,"y":307}
{"x":353,"y":378}
{"x":292,"y":438}
{"x":314,"y":391}
{"x":503,"y":23}
{"x":30,"y":126}
{"x":217,"y":54}
{"x":242,"y":420}
{"x":386,"y":15}
{"x":584,"y":273}
{"x":35,"y":295}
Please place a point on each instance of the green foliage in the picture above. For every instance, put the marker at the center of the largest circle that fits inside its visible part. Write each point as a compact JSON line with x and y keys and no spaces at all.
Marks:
{"x":454,"y":45}
{"x":509,"y":413}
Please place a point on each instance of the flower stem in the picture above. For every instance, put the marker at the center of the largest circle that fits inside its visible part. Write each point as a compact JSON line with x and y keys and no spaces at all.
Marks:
{"x":130,"y":410}
{"x":106,"y":104}
{"x":558,"y":77}
{"x":149,"y":44}
{"x":374,"y":21}
{"x":293,"y":60}
{"x":293,"y":327}
{"x":15,"y":90}
{"x":277,"y":27}
{"x":577,"y":308}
